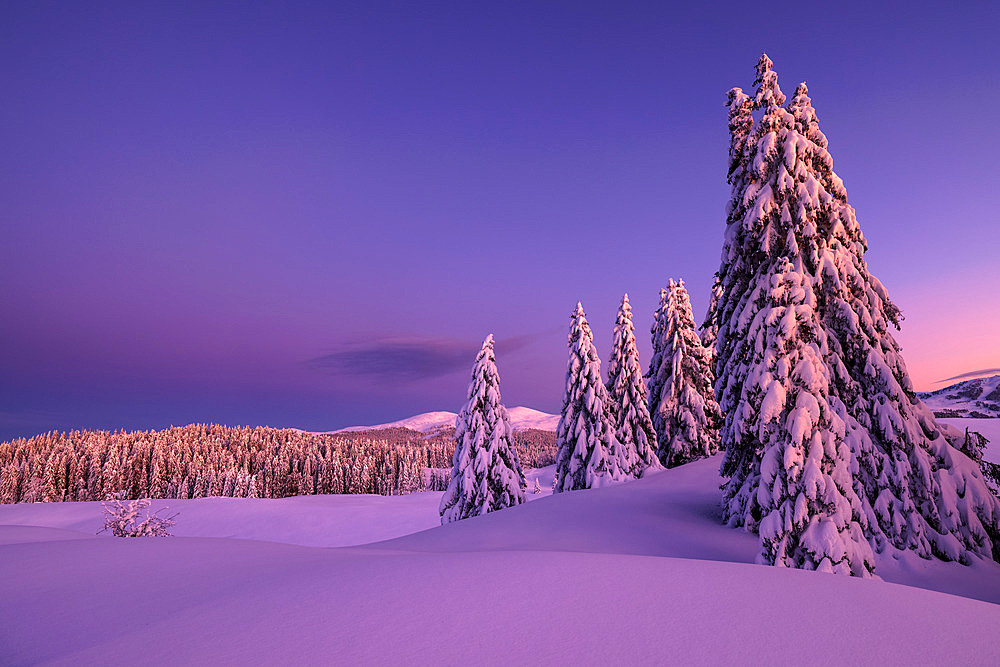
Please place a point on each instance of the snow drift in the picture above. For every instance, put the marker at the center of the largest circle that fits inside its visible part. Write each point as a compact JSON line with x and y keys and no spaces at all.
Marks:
{"x":584,"y":576}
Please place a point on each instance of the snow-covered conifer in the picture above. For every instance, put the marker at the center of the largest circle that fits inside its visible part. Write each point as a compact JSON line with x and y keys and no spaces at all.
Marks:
{"x":709,"y":327}
{"x":627,"y":391}
{"x":658,"y":338}
{"x":486,"y":475}
{"x":589,"y":454}
{"x":829,"y":453}
{"x":740,"y":108}
{"x":683,"y":408}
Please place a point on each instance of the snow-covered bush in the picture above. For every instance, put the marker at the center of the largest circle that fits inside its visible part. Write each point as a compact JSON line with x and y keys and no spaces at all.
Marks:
{"x":829,"y":453}
{"x":627,"y":393}
{"x":131,"y":518}
{"x":589,"y":452}
{"x":681,"y":399}
{"x":486,"y":475}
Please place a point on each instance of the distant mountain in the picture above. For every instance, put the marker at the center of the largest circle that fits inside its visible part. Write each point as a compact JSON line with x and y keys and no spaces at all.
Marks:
{"x":430,"y":422}
{"x":427,"y":422}
{"x":522,"y":418}
{"x":979,"y":398}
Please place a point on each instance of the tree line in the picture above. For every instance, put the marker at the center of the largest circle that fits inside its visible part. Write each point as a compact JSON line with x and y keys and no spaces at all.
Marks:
{"x":203,"y":460}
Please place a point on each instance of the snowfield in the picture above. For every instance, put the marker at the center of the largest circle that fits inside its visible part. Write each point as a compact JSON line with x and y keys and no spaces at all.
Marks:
{"x":641,"y":573}
{"x":314,"y":521}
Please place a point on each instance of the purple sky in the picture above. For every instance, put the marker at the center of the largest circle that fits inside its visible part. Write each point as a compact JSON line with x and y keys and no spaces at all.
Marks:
{"x":243,"y":214}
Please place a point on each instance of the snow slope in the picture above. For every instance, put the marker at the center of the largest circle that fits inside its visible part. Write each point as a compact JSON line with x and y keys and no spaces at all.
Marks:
{"x":318,"y":521}
{"x":639,"y":573}
{"x":212,"y":601}
{"x":520,"y":418}
{"x":972,"y":398}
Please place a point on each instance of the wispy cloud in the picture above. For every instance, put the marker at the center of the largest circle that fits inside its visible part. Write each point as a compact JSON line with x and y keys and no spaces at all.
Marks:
{"x":408,"y":359}
{"x":972,"y":374}
{"x":514,"y":343}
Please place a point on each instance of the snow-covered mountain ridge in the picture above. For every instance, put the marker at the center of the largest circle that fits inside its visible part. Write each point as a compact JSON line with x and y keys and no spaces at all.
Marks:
{"x":978,"y":398}
{"x":429,"y":422}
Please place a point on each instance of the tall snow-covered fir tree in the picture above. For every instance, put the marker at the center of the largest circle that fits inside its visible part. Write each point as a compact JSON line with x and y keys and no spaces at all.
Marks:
{"x":589,"y":455}
{"x":485,"y":475}
{"x":740,"y":107}
{"x":709,"y":327}
{"x":627,"y":391}
{"x":683,"y":408}
{"x":658,"y":336}
{"x":829,"y":454}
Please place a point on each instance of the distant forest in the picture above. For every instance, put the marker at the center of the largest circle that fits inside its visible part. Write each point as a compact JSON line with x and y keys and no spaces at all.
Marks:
{"x":201,"y":460}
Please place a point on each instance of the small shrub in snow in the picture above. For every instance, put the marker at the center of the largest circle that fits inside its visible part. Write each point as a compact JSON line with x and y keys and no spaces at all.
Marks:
{"x":130,"y":518}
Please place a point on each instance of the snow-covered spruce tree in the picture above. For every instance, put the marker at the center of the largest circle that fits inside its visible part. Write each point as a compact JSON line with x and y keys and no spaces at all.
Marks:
{"x":709,"y":327}
{"x":589,"y":455}
{"x":685,"y":414}
{"x":627,"y":391}
{"x":655,"y":383}
{"x":486,"y":475}
{"x":828,"y":452}
{"x":740,"y":107}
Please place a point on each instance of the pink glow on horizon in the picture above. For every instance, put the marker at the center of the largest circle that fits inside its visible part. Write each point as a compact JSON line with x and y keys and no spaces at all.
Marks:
{"x":949,"y":327}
